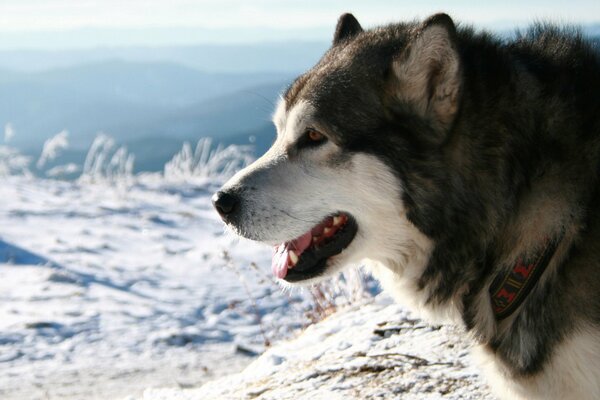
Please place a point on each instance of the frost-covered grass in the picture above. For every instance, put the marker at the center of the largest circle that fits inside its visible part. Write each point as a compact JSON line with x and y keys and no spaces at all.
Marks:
{"x":108,"y":164}
{"x":207,"y":162}
{"x":12,"y":162}
{"x":52,"y":148}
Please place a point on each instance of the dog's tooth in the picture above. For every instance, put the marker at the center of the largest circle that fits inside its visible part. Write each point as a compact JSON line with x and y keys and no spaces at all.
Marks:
{"x":293,"y":258}
{"x":337,"y":220}
{"x":315,"y":239}
{"x":327,"y":231}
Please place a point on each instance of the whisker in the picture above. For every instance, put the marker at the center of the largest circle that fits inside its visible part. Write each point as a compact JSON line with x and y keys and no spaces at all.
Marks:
{"x":292,"y":216}
{"x":265,"y":98}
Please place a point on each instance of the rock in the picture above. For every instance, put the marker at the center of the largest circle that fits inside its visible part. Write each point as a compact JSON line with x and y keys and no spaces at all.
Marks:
{"x":368,"y":351}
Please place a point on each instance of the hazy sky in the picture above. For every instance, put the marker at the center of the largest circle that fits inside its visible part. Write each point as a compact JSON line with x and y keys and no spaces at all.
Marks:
{"x":57,"y":23}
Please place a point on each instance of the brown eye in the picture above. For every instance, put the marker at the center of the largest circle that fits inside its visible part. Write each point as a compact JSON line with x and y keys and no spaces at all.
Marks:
{"x":315,"y":136}
{"x":311,"y":138}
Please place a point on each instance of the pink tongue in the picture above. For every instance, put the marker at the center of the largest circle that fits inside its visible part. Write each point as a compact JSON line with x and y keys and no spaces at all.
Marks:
{"x":281,"y":255}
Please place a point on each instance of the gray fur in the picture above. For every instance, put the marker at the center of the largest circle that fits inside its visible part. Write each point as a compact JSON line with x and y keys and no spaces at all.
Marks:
{"x":478,"y":151}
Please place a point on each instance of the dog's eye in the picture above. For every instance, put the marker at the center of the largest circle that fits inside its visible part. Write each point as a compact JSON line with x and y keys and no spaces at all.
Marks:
{"x":311,"y":138}
{"x":315,"y":136}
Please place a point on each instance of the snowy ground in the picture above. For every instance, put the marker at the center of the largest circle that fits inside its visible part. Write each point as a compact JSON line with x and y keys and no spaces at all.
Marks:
{"x":104,"y":292}
{"x":369,"y":351}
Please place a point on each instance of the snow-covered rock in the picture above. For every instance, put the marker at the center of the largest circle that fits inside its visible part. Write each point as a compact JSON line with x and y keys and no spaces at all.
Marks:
{"x":372,"y":350}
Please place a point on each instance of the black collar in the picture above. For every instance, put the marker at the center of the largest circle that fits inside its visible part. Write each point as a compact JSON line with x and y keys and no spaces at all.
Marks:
{"x":509,"y":289}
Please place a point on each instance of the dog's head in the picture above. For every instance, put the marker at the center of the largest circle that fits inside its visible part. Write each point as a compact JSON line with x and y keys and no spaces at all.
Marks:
{"x":332,"y":189}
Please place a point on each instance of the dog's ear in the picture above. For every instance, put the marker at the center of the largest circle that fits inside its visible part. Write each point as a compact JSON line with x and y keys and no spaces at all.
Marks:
{"x":428,"y":72}
{"x":347,"y":27}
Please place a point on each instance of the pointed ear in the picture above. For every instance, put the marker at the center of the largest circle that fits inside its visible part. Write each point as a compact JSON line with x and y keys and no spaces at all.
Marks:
{"x":347,"y":27}
{"x":428,"y":72}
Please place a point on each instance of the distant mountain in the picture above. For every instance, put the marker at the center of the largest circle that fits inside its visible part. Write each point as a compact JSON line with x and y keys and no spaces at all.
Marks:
{"x":239,"y":118}
{"x":221,"y":117}
{"x":157,"y":83}
{"x":133,"y":100}
{"x":150,"y":108}
{"x":593,"y":30}
{"x":288,"y":57}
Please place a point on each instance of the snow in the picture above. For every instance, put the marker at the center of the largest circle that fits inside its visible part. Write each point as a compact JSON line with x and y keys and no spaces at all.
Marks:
{"x":106,"y":291}
{"x":371,"y":350}
{"x":134,"y":290}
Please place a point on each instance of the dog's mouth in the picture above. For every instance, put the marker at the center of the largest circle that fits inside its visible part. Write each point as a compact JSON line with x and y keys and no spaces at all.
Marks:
{"x":307,"y":256}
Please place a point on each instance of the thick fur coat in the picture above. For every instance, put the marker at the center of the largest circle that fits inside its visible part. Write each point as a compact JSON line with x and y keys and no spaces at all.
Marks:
{"x":457,"y":154}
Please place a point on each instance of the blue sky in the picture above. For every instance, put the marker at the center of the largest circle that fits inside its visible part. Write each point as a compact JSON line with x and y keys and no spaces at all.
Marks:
{"x":85,"y":23}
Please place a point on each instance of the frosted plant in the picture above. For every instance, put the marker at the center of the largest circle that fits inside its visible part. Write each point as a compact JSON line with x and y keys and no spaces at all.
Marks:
{"x":101,"y":146}
{"x":13,"y":163}
{"x":349,"y":287}
{"x":52,"y":148}
{"x":120,"y":166}
{"x":9,"y":132}
{"x":63,"y":170}
{"x":204,"y":162}
{"x":351,"y":284}
{"x":106,"y":164}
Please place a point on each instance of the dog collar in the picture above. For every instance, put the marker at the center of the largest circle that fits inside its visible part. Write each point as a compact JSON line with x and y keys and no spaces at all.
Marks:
{"x":509,"y":290}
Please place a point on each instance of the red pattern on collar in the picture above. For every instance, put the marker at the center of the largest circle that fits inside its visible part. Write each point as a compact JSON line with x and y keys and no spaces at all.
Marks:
{"x":509,"y":290}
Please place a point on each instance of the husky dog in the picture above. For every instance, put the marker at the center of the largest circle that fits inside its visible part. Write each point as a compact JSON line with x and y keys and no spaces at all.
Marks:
{"x":464,"y":169}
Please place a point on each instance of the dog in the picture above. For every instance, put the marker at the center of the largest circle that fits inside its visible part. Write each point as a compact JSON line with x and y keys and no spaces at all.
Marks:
{"x":463,"y":169}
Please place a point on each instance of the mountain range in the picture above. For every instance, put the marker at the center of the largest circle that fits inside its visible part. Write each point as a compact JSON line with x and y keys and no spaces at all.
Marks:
{"x":149,"y":99}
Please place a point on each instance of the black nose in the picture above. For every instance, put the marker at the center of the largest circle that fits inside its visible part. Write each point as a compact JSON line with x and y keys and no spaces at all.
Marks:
{"x":225,"y":203}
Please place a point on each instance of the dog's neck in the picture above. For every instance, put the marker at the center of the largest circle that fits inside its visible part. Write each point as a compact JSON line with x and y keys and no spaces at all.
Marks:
{"x":528,"y":249}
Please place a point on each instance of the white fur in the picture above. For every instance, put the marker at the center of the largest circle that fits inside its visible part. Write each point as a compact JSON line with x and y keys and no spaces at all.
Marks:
{"x":573,"y":372}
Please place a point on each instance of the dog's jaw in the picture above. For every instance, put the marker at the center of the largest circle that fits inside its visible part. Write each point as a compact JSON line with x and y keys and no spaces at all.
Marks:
{"x":307,"y":256}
